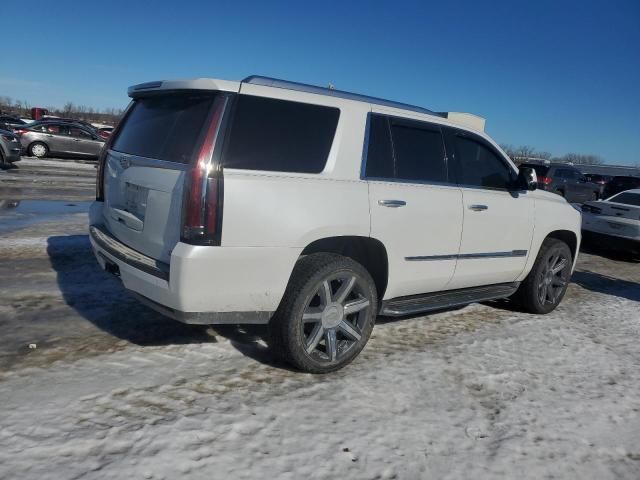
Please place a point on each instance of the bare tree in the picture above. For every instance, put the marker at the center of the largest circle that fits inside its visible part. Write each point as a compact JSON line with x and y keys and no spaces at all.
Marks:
{"x":68,"y":109}
{"x":582,"y":159}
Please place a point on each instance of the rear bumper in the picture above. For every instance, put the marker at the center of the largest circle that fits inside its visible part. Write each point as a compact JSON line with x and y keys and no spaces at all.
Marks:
{"x":611,"y":242}
{"x":604,"y":225}
{"x":202,"y":285}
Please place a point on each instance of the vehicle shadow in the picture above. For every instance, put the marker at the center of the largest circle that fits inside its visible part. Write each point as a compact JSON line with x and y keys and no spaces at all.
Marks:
{"x":596,"y":282}
{"x":593,"y":248}
{"x":251,"y":341}
{"x":101,"y":299}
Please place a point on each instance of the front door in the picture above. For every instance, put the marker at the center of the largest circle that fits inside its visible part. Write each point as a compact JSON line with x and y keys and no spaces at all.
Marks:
{"x":415,"y":211}
{"x":83,"y":142}
{"x":498,"y":222}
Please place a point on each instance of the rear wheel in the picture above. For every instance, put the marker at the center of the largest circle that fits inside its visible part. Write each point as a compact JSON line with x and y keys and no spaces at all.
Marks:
{"x":546,"y":284}
{"x":326,"y":315}
{"x":38,"y":149}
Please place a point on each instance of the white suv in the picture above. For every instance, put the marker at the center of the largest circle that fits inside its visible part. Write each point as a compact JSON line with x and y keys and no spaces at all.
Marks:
{"x":315,"y":210}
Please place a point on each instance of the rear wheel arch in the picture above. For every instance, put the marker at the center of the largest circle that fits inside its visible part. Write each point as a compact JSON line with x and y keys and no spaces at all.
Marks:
{"x":367,"y":251}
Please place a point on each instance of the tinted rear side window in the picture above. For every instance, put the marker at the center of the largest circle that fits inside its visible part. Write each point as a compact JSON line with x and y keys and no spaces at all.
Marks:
{"x":405,"y":150}
{"x":419,"y":152}
{"x":379,"y":152}
{"x":477,"y":165}
{"x":164,"y":128}
{"x":278,"y":135}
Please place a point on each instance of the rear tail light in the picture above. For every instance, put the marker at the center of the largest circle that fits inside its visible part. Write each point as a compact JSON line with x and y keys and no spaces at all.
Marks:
{"x":546,"y":180}
{"x":20,"y":131}
{"x":202,"y":202}
{"x":103,"y":157}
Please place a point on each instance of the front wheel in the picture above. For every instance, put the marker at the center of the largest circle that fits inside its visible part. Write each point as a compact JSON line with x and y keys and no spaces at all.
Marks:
{"x":326,"y":315}
{"x":546,"y":284}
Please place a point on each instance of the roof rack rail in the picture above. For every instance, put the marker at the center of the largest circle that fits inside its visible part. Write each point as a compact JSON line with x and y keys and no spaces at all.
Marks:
{"x":303,"y":87}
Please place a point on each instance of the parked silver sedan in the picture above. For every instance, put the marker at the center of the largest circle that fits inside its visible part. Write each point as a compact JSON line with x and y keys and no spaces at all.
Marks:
{"x":60,"y":138}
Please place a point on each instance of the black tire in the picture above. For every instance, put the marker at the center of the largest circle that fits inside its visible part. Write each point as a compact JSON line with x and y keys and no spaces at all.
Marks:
{"x":3,"y":163}
{"x":528,"y":295}
{"x":291,"y":337}
{"x":34,"y":145}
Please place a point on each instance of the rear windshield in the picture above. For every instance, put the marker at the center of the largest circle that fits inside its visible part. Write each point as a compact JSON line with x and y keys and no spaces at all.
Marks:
{"x":627,"y":198}
{"x":541,"y":170}
{"x":164,"y":128}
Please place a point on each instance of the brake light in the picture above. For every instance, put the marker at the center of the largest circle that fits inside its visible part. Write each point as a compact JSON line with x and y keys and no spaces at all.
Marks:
{"x":20,"y":131}
{"x":102,"y":159}
{"x":203,"y":187}
{"x":546,"y":180}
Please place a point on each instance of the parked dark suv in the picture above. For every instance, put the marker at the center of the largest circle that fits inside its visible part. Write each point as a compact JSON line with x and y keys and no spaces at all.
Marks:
{"x":565,"y":180}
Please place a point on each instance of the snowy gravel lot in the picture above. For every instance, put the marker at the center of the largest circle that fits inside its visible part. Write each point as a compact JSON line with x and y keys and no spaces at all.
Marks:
{"x":113,"y":390}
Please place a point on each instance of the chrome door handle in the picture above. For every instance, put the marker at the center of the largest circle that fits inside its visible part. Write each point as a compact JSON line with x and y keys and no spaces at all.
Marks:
{"x":478,"y":208}
{"x":392,"y":203}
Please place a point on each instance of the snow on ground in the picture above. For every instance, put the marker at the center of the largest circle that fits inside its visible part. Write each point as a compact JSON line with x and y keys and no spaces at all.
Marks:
{"x":113,"y":390}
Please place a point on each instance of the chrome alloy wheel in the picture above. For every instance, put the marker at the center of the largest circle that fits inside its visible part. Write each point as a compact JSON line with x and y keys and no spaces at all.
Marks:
{"x":334,"y":318}
{"x":553,"y":279}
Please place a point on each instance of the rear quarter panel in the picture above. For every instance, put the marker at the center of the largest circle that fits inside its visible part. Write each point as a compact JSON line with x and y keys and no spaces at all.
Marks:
{"x":283,"y":209}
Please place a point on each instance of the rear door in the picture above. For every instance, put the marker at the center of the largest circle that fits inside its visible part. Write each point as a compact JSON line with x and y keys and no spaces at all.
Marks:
{"x":415,"y":211}
{"x":498,"y":222}
{"x":57,"y":138}
{"x":145,"y":168}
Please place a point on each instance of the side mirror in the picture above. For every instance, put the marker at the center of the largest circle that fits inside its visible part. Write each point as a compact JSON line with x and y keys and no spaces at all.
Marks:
{"x":527,"y":179}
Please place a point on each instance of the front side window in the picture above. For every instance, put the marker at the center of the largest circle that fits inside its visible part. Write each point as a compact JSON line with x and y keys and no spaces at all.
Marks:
{"x":79,"y":133}
{"x":278,"y":135}
{"x":478,"y":166}
{"x":405,"y":150}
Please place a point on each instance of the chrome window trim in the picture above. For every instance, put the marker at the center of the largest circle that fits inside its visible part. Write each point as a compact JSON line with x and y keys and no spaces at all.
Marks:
{"x":468,"y":256}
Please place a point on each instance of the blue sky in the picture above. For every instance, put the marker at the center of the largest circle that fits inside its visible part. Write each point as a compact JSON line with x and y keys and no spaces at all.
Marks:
{"x":557,"y":75}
